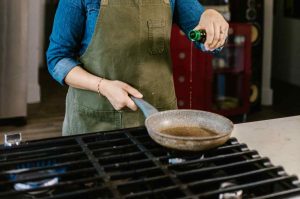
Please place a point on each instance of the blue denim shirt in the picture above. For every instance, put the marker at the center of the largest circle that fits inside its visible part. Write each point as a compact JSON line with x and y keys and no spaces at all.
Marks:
{"x":75,"y":22}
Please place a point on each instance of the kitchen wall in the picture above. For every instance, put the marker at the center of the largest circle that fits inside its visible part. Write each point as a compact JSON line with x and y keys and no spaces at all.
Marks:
{"x":267,"y":91}
{"x":35,"y":50}
{"x":21,"y":44}
{"x":13,"y":58}
{"x":286,"y":46}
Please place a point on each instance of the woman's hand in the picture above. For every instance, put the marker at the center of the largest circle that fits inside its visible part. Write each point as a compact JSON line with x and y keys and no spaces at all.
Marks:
{"x":216,"y":29}
{"x":117,"y":93}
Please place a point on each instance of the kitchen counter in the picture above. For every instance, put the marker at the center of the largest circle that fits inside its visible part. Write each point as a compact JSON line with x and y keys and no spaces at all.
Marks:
{"x":277,"y":139}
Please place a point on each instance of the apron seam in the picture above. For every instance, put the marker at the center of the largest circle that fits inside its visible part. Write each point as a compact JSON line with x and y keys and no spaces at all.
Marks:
{"x":80,"y":106}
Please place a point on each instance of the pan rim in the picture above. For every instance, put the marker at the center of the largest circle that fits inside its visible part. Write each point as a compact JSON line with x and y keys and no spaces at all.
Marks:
{"x":191,"y":138}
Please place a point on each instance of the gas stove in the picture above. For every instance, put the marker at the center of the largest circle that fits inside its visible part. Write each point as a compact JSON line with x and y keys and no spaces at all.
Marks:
{"x":128,"y":164}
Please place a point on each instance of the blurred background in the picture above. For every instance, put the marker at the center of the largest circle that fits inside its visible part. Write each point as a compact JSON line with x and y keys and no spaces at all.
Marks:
{"x":255,"y":77}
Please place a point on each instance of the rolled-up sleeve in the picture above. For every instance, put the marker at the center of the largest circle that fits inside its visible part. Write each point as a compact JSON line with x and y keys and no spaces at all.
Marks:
{"x":65,"y":39}
{"x":187,"y":15}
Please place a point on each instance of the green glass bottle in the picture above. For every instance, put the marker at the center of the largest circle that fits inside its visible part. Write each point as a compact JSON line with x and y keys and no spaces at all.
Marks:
{"x":197,"y":35}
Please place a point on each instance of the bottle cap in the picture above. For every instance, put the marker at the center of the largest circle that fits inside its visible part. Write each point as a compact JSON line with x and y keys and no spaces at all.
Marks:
{"x":197,"y":35}
{"x":194,"y":35}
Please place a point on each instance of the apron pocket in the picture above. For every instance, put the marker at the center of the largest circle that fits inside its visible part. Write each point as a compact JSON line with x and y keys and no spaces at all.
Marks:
{"x":156,"y":36}
{"x":86,"y":120}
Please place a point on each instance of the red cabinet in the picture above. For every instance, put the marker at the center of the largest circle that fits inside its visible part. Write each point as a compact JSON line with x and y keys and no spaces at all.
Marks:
{"x":213,"y":82}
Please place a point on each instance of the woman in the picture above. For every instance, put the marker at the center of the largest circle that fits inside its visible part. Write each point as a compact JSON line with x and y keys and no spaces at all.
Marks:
{"x":107,"y":50}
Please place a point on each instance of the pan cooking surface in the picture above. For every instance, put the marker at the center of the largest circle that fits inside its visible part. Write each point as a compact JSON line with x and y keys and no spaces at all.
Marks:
{"x":188,"y":132}
{"x":189,"y":118}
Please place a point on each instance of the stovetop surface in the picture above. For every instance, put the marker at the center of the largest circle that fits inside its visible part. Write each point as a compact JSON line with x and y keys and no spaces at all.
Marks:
{"x":128,"y":164}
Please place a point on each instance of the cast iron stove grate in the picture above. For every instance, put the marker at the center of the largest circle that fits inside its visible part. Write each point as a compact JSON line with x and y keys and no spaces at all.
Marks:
{"x":128,"y":164}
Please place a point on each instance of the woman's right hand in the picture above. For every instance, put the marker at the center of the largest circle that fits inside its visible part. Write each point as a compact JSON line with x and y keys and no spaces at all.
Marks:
{"x":118,"y":92}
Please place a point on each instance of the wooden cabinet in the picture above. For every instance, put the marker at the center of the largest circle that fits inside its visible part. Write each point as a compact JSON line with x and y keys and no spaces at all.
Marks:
{"x":213,"y":82}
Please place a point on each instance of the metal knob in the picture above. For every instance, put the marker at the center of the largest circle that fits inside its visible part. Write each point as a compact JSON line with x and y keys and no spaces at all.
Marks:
{"x":12,"y":139}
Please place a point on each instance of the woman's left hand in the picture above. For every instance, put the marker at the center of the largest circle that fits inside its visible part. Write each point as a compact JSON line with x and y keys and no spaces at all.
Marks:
{"x":216,"y":29}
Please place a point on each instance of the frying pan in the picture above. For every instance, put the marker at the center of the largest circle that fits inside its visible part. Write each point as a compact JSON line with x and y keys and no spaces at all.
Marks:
{"x":186,"y":130}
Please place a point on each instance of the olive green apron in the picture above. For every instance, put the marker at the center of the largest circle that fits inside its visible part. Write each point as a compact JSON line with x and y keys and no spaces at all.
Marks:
{"x":131,"y":43}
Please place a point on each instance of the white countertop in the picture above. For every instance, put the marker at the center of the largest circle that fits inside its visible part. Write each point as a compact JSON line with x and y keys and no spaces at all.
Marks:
{"x":277,"y":139}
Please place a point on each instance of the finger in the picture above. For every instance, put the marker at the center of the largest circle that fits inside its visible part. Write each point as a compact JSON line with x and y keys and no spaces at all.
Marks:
{"x":226,"y":32}
{"x":222,"y":41}
{"x":209,"y":36}
{"x":132,"y":91}
{"x":225,"y":37}
{"x":131,"y":104}
{"x":216,"y":39}
{"x":117,"y":108}
{"x":222,"y":38}
{"x":116,"y":104}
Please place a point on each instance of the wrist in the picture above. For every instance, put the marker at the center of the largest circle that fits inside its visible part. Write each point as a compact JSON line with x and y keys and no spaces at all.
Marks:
{"x":101,"y":86}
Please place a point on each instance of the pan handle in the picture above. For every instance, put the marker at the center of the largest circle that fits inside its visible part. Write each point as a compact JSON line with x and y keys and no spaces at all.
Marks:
{"x":146,"y":108}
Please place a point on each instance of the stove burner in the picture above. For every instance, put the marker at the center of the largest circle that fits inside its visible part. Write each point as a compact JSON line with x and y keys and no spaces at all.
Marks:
{"x":177,"y":157}
{"x":230,"y":195}
{"x":35,"y":171}
{"x":176,"y":160}
{"x":37,"y":184}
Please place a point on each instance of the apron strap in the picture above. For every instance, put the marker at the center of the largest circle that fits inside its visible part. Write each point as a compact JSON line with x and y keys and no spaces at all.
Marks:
{"x":167,"y":1}
{"x":104,"y":2}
